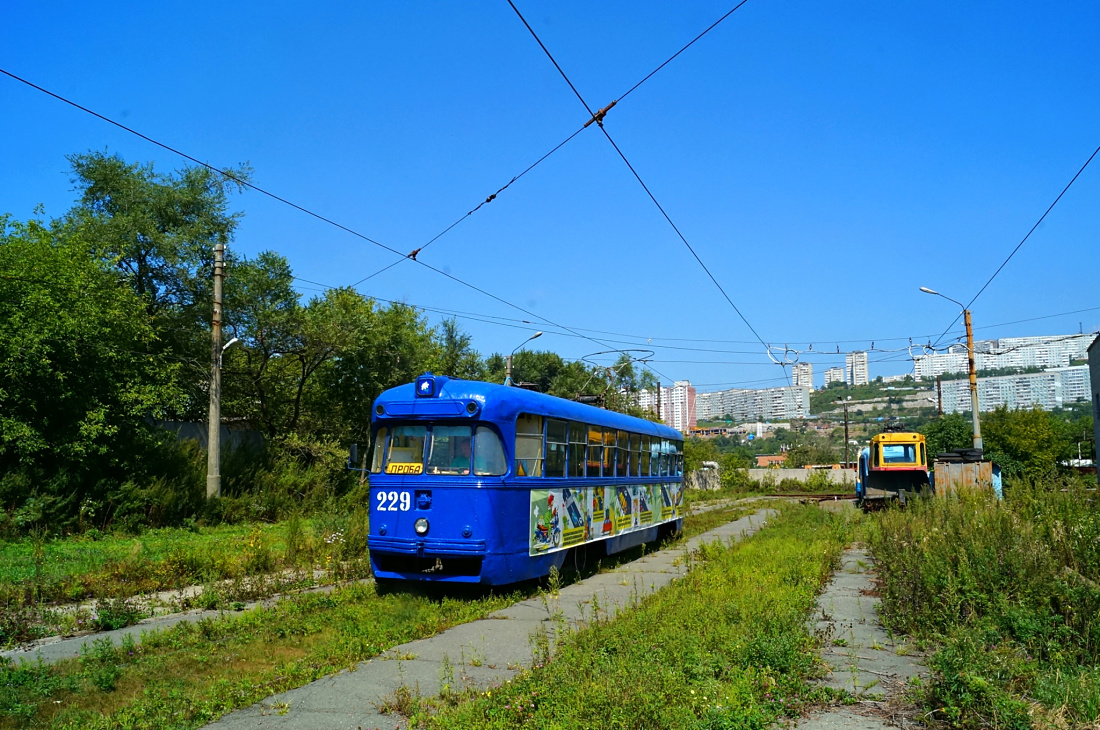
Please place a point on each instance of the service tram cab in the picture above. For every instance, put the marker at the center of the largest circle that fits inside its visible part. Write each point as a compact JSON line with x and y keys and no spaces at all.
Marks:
{"x":474,"y":482}
{"x":893,"y":466}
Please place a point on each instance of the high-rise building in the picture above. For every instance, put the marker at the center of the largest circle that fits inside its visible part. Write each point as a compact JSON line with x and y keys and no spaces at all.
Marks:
{"x":855,"y":368}
{"x":1094,"y":387}
{"x":681,"y":413}
{"x":1051,"y":351}
{"x":834,"y":375}
{"x":678,"y":405}
{"x":802,"y":373}
{"x":1048,"y":390}
{"x":745,"y":406}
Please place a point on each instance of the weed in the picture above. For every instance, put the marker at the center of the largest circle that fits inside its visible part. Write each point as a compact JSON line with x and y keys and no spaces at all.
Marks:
{"x":404,"y":701}
{"x":1009,"y":591}
{"x":684,"y":658}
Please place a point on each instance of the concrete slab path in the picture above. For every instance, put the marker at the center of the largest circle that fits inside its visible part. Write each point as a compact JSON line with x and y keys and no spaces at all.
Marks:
{"x":862,"y":658}
{"x":477,"y":655}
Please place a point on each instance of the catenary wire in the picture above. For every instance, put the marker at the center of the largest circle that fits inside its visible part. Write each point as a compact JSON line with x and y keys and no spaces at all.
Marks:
{"x":1022,"y":241}
{"x":653,"y":198}
{"x":238,"y":180}
{"x":280,"y":199}
{"x":640,"y":340}
{"x":561,"y":144}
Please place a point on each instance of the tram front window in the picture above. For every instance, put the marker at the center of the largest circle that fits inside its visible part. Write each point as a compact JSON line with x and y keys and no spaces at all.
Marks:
{"x":406,"y":452}
{"x":450,"y":450}
{"x":899,"y":453}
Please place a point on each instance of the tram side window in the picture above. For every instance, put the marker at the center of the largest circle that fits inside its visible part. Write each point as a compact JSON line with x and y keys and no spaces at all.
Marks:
{"x":406,"y":452}
{"x":609,"y":452}
{"x":635,"y":457}
{"x":449,"y":452}
{"x":655,"y":456}
{"x":529,"y":446}
{"x":595,"y":450}
{"x":679,"y":458}
{"x":875,"y":450}
{"x":923,"y":456}
{"x":578,"y":441}
{"x":379,"y":451}
{"x":622,"y":460}
{"x":644,"y":453}
{"x":489,"y":460}
{"x":557,"y":443}
{"x":665,"y":458}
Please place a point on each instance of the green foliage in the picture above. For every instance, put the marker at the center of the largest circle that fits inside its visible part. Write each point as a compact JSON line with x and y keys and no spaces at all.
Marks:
{"x":948,"y":432}
{"x":244,"y":657}
{"x":1010,"y":590}
{"x":726,"y":647}
{"x":80,"y":379}
{"x":1023,"y":442}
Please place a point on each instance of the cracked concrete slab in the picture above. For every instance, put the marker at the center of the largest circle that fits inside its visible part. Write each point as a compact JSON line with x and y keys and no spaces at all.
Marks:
{"x":474,"y":655}
{"x":861,"y":657}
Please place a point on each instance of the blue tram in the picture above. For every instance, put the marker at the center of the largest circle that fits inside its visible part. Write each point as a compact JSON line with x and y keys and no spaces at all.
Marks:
{"x":474,"y":482}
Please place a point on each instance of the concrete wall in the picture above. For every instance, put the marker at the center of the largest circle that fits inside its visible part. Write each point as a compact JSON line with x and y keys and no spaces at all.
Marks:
{"x":233,"y":436}
{"x":836,"y":476}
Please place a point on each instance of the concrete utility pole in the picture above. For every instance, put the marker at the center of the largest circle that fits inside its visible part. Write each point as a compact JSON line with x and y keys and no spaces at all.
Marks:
{"x":970,"y":363}
{"x":213,"y":441}
{"x":973,"y":379}
{"x":845,"y":402}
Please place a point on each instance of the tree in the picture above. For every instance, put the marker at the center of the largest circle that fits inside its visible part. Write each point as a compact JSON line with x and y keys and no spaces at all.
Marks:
{"x":391,"y":347}
{"x":457,"y":358}
{"x":79,"y":371}
{"x":159,"y":231}
{"x":1023,"y":442}
{"x":947,"y":433}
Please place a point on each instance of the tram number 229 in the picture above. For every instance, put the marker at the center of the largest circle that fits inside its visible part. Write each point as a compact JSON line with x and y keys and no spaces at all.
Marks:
{"x":394,"y":502}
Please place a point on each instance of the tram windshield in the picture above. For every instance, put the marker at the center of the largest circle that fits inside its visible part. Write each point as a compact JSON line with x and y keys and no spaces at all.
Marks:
{"x":899,"y":453}
{"x":442,"y":449}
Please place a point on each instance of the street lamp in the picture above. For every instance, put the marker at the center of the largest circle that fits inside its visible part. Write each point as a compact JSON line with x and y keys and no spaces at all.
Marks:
{"x":970,"y":362}
{"x":508,"y":376}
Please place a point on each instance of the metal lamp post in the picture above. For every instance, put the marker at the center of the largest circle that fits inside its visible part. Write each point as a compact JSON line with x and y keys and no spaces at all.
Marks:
{"x":970,"y":362}
{"x":508,"y":376}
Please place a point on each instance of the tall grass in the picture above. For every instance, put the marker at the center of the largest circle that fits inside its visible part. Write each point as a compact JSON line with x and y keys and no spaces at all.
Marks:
{"x":1010,"y":590}
{"x":726,"y":647}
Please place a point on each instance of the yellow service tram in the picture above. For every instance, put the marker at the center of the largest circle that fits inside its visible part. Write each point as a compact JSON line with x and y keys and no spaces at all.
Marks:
{"x":894,"y":466}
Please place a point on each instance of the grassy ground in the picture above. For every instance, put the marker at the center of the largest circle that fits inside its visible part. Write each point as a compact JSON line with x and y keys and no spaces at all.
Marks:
{"x":232,"y":562}
{"x":1008,"y":593}
{"x":37,"y":574}
{"x":726,"y":647}
{"x":193,"y":673}
{"x":188,"y":675}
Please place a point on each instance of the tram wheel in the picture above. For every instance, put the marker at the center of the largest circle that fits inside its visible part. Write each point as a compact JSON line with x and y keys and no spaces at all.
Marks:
{"x":580,"y":558}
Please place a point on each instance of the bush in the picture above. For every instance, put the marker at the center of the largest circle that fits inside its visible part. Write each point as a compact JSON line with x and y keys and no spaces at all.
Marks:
{"x":1010,"y":589}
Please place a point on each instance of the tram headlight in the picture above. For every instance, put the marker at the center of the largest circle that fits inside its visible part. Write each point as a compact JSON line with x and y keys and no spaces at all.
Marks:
{"x":421,"y":526}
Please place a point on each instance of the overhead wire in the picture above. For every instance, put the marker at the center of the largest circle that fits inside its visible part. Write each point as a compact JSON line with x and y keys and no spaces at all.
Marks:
{"x":252,"y":186}
{"x":235,"y":178}
{"x":598,"y":117}
{"x":565,"y":141}
{"x":1022,"y":241}
{"x":642,"y":341}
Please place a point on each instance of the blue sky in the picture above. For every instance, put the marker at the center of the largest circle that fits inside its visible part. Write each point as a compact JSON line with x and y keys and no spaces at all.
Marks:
{"x":825,"y":160}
